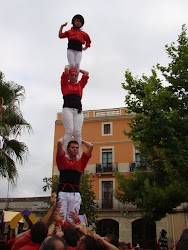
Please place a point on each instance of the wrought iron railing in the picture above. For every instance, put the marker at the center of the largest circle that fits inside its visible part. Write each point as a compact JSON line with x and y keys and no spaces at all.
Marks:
{"x":106,"y":168}
{"x":137,"y":165}
{"x":114,"y":204}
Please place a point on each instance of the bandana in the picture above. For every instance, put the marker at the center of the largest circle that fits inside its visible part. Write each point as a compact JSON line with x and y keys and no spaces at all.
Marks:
{"x":73,"y":70}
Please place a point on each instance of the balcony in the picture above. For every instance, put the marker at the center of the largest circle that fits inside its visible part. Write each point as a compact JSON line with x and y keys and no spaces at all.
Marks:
{"x":115,"y":205}
{"x":137,"y":165}
{"x":103,"y":168}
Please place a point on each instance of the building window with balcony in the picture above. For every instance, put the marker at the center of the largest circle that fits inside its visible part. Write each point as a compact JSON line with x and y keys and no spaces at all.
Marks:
{"x":107,"y":159}
{"x":106,"y":128}
{"x":107,"y":164}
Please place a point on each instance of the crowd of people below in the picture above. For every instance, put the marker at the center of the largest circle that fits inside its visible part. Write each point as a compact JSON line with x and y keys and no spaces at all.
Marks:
{"x":52,"y":233}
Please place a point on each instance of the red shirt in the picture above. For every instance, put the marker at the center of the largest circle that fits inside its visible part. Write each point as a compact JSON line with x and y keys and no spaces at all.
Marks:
{"x":68,"y":88}
{"x":22,"y":241}
{"x":66,"y":163}
{"x":78,"y":35}
{"x":31,"y":246}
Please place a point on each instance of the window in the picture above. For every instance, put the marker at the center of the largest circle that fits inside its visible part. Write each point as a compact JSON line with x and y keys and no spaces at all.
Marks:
{"x":137,"y":157}
{"x":107,"y":197}
{"x":107,"y":159}
{"x":106,"y":129}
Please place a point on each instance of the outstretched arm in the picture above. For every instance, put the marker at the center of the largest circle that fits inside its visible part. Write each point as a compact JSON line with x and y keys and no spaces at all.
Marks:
{"x":61,"y":29}
{"x":84,"y":72}
{"x":89,"y":147}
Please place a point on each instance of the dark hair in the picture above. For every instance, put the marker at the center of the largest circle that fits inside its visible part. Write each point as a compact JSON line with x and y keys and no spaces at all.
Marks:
{"x":70,"y":235}
{"x":163,"y":232}
{"x":4,"y":245}
{"x":72,"y":142}
{"x":113,"y":239}
{"x":122,"y":244}
{"x":99,"y":245}
{"x":78,"y":16}
{"x":38,"y":232}
{"x":89,"y":242}
{"x":50,"y":243}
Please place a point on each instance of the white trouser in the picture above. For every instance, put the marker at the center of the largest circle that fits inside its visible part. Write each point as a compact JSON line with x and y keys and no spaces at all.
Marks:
{"x":69,"y":203}
{"x":72,"y":121}
{"x":74,"y":58}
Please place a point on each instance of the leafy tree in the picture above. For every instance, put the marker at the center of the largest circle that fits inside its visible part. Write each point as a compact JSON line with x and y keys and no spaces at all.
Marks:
{"x":160,"y":131}
{"x":88,"y":206}
{"x":11,"y":125}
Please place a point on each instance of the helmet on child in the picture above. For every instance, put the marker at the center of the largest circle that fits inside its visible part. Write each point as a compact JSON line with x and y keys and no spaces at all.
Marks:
{"x":78,"y":17}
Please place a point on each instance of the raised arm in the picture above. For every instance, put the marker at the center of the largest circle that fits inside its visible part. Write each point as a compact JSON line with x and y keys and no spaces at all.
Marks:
{"x":66,"y":69}
{"x":60,"y":146}
{"x":61,"y":29}
{"x":89,"y":147}
{"x":84,"y":72}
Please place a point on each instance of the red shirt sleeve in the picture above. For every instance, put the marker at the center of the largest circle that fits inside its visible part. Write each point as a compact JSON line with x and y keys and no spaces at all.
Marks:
{"x":60,"y":160}
{"x":84,"y":80}
{"x":87,"y":39}
{"x":22,"y":241}
{"x":64,"y":34}
{"x":84,"y":160}
{"x":64,"y":81}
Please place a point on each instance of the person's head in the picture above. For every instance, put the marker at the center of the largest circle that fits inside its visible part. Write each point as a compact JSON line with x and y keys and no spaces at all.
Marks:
{"x":4,"y":245}
{"x":53,"y":243}
{"x":78,"y":21}
{"x":86,"y":243}
{"x":112,"y":239}
{"x":122,"y":245}
{"x":38,"y":232}
{"x":73,"y":75}
{"x":163,"y":233}
{"x":70,"y":235}
{"x":72,"y":148}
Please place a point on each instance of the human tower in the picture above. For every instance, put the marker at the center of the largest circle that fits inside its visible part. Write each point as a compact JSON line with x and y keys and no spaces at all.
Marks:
{"x":70,"y":162}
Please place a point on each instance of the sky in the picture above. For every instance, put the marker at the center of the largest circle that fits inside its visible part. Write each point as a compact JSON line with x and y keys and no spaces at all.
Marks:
{"x":125,"y":35}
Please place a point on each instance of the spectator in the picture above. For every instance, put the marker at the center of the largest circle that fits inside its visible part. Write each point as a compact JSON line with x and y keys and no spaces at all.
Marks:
{"x":53,"y":243}
{"x":112,"y":239}
{"x":70,"y":236}
{"x":163,"y":241}
{"x":32,"y":239}
{"x":122,"y":245}
{"x":4,"y":245}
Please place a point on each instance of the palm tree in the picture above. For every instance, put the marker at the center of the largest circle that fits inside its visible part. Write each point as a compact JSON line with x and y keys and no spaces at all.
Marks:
{"x":11,"y":125}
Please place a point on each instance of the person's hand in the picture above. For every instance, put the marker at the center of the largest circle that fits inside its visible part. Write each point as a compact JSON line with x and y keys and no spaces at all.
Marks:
{"x":58,"y":216}
{"x":60,"y":141}
{"x":82,"y":228}
{"x":65,"y":24}
{"x":74,"y":215}
{"x":84,"y":48}
{"x":58,"y":231}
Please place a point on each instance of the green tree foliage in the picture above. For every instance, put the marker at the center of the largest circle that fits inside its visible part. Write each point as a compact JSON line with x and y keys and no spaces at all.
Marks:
{"x":12,"y":124}
{"x":88,"y":206}
{"x":160,"y":132}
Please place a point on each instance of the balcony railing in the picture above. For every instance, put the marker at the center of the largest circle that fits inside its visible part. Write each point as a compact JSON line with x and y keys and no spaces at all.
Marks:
{"x":102,"y":168}
{"x":137,"y":165}
{"x":115,"y":205}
